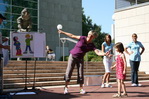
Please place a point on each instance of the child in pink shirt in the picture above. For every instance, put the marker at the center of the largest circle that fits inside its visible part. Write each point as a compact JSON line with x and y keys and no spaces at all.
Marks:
{"x":120,"y":70}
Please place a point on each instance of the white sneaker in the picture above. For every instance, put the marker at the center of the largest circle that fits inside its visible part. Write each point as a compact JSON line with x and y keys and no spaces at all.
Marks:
{"x":66,"y":90}
{"x":108,"y":85}
{"x":139,"y":85}
{"x":134,"y":85}
{"x":82,"y":91}
{"x":103,"y":85}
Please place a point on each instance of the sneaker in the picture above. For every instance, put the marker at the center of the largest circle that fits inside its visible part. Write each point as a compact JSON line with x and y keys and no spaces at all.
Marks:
{"x":82,"y":91}
{"x":24,"y":52}
{"x":66,"y":91}
{"x":108,"y":85}
{"x":134,"y":85}
{"x":103,"y":85}
{"x":31,"y":52}
{"x":116,"y":96}
{"x":139,"y":85}
{"x":124,"y":95}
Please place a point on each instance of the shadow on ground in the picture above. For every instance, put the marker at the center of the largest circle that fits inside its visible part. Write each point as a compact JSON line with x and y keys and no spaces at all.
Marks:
{"x":40,"y":94}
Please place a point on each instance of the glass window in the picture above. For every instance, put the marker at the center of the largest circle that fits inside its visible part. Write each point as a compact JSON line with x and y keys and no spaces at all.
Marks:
{"x":5,"y":1}
{"x":4,"y":8}
{"x":11,"y":9}
{"x":5,"y":32}
{"x":16,"y":10}
{"x":18,"y":2}
{"x":127,"y":3}
{"x":33,"y":12}
{"x":34,"y":27}
{"x":34,"y":20}
{"x":14,"y":26}
{"x":142,"y":1}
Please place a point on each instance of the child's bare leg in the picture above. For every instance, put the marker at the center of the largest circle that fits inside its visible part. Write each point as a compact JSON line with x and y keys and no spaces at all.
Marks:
{"x":119,"y":86}
{"x":123,"y":87}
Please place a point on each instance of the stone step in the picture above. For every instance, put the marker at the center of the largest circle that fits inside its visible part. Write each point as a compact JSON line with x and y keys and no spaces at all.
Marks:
{"x":51,"y":73}
{"x":49,"y":63}
{"x":32,"y":65}
{"x":50,"y":68}
{"x":22,"y":75}
{"x":21,"y":71}
{"x":59,"y":78}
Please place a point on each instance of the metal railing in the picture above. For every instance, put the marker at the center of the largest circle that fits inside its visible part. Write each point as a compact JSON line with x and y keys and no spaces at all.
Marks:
{"x":63,"y":40}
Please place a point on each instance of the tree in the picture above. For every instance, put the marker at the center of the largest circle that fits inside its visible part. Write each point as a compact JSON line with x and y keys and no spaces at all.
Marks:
{"x":88,"y":25}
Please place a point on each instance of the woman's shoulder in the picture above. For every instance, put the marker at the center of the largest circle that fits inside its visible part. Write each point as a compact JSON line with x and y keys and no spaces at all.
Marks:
{"x":130,"y":43}
{"x":122,"y":55}
{"x":104,"y":43}
{"x":112,"y":44}
{"x":83,"y":37}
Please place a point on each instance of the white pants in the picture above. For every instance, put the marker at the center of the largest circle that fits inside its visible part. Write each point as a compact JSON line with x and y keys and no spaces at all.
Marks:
{"x":107,"y":64}
{"x":5,"y":54}
{"x":51,"y":56}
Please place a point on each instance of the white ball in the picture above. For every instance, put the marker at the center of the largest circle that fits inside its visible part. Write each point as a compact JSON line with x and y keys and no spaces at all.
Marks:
{"x":59,"y":26}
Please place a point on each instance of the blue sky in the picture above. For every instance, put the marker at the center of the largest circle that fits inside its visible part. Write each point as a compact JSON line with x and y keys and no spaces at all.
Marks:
{"x":100,"y":11}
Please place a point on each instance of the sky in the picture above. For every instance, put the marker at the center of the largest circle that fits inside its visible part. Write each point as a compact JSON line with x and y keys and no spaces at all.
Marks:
{"x":100,"y":11}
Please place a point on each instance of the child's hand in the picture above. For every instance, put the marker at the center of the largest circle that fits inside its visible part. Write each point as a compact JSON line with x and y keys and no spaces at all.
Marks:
{"x":124,"y":72}
{"x":107,"y":53}
{"x":110,"y":55}
{"x":112,"y":67}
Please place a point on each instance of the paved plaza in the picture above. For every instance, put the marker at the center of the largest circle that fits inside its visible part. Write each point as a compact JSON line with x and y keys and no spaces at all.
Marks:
{"x":93,"y":92}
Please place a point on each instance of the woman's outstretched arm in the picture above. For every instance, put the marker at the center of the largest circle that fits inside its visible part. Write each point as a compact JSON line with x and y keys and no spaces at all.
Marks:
{"x":69,"y":34}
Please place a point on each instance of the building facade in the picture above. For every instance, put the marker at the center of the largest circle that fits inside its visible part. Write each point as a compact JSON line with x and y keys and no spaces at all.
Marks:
{"x":68,"y":13}
{"x":46,"y":15}
{"x":131,"y":16}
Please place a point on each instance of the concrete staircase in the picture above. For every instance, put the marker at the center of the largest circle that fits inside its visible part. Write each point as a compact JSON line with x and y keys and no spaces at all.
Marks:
{"x":50,"y":73}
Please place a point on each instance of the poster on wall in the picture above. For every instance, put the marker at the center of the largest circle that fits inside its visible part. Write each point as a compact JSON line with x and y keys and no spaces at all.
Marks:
{"x":27,"y":44}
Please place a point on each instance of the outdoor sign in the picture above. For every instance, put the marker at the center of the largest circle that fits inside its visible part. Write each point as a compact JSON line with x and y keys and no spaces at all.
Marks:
{"x":27,"y":44}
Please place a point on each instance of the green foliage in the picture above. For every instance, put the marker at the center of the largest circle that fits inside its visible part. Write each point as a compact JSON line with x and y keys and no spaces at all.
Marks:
{"x":91,"y":56}
{"x":88,"y":25}
{"x":96,"y":59}
{"x":65,"y":58}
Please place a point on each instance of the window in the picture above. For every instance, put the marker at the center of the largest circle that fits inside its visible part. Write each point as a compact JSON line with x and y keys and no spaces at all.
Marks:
{"x":126,"y":3}
{"x":11,"y":9}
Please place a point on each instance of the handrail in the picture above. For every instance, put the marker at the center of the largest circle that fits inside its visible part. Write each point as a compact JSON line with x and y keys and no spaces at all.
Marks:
{"x":69,"y":39}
